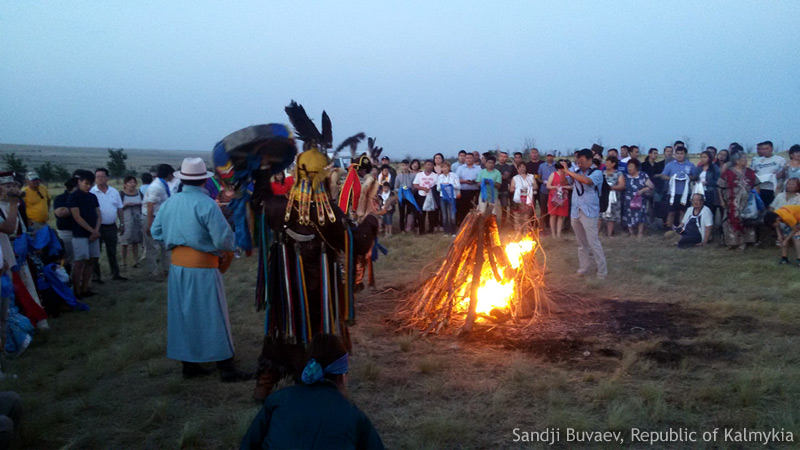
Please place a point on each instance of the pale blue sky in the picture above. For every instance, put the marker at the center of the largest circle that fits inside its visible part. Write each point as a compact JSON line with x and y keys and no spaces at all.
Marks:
{"x":420,"y":76}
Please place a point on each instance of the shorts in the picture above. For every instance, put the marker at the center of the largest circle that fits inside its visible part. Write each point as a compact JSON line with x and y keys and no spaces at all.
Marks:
{"x":787,"y":230}
{"x":82,"y":249}
{"x":387,"y":218}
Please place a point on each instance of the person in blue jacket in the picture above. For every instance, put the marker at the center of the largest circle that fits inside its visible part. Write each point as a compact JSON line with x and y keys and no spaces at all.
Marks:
{"x":317,"y":412}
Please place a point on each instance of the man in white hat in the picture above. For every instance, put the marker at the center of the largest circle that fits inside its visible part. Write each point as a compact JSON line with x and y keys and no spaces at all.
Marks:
{"x":191,"y":225}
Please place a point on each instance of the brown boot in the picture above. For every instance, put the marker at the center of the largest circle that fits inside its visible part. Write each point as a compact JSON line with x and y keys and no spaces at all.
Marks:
{"x":264,"y":383}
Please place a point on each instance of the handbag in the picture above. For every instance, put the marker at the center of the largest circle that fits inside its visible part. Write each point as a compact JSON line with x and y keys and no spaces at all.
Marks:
{"x":636,"y":202}
{"x":750,"y":211}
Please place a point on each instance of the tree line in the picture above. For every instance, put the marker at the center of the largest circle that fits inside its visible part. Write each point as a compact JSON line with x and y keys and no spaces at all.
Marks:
{"x":48,"y":171}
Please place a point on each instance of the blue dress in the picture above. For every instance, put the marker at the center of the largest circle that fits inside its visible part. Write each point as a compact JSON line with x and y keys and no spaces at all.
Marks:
{"x":633,"y":217}
{"x":198,"y":328}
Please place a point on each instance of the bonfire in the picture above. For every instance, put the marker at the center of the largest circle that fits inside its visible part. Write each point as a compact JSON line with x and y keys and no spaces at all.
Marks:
{"x":482,"y":280}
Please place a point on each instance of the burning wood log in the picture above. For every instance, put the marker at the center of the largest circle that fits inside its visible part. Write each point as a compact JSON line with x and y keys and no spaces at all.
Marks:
{"x":480,"y":280}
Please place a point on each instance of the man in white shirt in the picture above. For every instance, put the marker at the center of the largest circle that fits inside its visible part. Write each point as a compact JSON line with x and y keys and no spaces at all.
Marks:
{"x":110,"y":210}
{"x":423,"y":183}
{"x":767,"y":166}
{"x":157,"y":193}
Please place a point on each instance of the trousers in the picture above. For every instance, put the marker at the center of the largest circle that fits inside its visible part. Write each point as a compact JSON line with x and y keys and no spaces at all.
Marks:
{"x":588,"y":244}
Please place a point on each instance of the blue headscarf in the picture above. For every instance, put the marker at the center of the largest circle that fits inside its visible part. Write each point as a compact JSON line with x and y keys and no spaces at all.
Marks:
{"x":314,"y":372}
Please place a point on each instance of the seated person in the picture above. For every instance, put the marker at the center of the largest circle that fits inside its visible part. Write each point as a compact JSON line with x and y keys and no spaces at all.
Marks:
{"x":786,"y":221}
{"x":315,"y":414}
{"x":695,"y":228}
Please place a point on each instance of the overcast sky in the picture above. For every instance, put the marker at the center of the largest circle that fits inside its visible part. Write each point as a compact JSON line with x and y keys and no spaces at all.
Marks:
{"x":421,"y":76}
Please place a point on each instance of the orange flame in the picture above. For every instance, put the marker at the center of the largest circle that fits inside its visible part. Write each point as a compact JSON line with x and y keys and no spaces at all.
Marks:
{"x":493,"y":294}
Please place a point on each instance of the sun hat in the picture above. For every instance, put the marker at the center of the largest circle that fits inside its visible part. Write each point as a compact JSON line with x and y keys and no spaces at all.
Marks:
{"x":33,"y":176}
{"x":193,"y":169}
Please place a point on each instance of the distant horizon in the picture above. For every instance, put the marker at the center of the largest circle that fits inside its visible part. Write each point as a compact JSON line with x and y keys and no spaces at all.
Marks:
{"x":422,"y":77}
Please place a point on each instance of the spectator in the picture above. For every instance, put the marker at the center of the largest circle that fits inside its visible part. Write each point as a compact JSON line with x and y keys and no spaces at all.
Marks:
{"x":110,"y":210}
{"x":790,"y":195}
{"x":507,"y":172}
{"x":131,"y":231}
{"x":524,"y":188}
{"x":545,"y":170}
{"x":705,"y":177}
{"x":489,"y":180}
{"x":85,"y":210}
{"x":467,"y":176}
{"x":668,"y":154}
{"x":158,"y":192}
{"x":721,"y":159}
{"x":387,"y":200}
{"x":64,"y":221}
{"x":792,"y":168}
{"x":533,"y":169}
{"x":713,"y":151}
{"x":584,"y":213}
{"x":415,"y":166}
{"x":516,"y":162}
{"x":423,"y":183}
{"x":767,"y":167}
{"x":280,"y":184}
{"x":146,"y":178}
{"x":637,"y":187}
{"x":735,"y":185}
{"x":461,"y":159}
{"x":623,"y":153}
{"x":677,"y":174}
{"x":786,"y":221}
{"x":385,"y":161}
{"x":651,"y":166}
{"x":438,"y":159}
{"x":449,"y":191}
{"x":316,"y":413}
{"x":558,"y":188}
{"x":385,"y":176}
{"x":478,"y":158}
{"x":37,"y":202}
{"x":695,"y":229}
{"x":611,"y":194}
{"x":406,"y":204}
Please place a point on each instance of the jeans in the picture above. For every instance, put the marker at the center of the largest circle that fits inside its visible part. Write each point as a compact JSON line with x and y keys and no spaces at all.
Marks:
{"x":448,"y":213}
{"x":108,"y":237}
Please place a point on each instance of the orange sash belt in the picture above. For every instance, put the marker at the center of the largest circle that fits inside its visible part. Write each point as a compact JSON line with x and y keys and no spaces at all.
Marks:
{"x":188,"y":257}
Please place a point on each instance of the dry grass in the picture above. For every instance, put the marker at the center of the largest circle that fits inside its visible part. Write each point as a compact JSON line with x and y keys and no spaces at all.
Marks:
{"x":101,"y":379}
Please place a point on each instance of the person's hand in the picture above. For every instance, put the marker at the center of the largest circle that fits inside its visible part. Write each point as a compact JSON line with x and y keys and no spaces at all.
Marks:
{"x":94,"y":236}
{"x":147,"y":232}
{"x":121,"y":229}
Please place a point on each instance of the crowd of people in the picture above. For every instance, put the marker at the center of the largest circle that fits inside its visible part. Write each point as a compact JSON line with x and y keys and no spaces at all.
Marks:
{"x":726,"y":195}
{"x":50,"y":247}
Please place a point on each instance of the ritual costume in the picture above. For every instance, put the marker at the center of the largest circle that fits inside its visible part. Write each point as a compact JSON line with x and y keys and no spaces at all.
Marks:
{"x":201,"y":242}
{"x":306,"y":245}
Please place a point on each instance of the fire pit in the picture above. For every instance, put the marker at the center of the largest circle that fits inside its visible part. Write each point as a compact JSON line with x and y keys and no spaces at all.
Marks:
{"x":481,"y":280}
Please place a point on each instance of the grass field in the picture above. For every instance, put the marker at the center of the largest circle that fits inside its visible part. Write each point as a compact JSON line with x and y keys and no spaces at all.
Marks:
{"x":698,"y":338}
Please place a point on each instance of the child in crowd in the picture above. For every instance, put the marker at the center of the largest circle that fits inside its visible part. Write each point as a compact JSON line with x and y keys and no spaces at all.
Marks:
{"x":786,"y":221}
{"x":489,"y":180}
{"x":387,"y":200}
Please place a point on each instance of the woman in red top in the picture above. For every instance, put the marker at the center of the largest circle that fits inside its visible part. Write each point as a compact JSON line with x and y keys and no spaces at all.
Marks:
{"x":558,"y":188}
{"x":281,"y":184}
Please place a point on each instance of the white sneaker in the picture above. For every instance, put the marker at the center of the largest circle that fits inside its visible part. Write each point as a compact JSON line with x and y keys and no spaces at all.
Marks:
{"x":43,"y":325}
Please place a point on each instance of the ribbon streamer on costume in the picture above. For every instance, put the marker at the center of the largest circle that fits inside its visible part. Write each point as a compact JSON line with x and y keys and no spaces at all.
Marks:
{"x":336,"y":313}
{"x":349,"y":274}
{"x":378,"y":247}
{"x":239,"y":206}
{"x":351,"y":191}
{"x":326,"y":287}
{"x":405,"y":194}
{"x":305,"y":321}
{"x":487,"y":190}
{"x":287,"y":279}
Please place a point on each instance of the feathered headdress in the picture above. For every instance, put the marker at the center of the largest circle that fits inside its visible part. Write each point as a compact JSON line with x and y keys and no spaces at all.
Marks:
{"x":351,"y":142}
{"x":374,"y":152}
{"x":311,"y":169}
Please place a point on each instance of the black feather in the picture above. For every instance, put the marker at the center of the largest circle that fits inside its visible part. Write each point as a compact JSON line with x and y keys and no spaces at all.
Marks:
{"x":374,"y":152}
{"x":327,"y":131}
{"x":304,"y":128}
{"x":351,"y":142}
